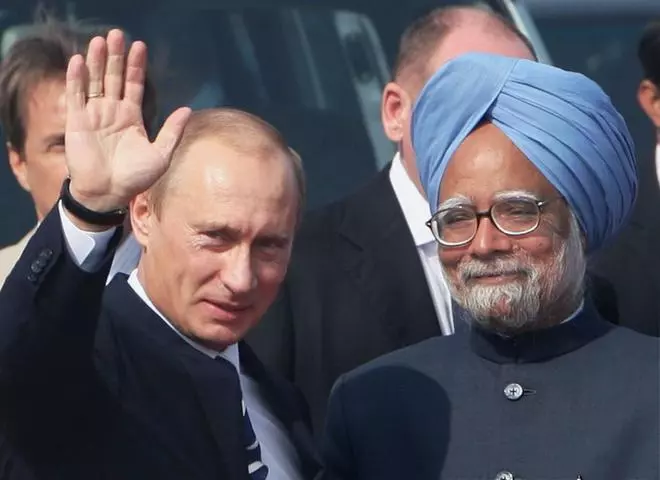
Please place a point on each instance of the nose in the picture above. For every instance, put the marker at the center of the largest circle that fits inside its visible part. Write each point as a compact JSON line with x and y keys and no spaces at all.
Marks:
{"x":237,"y":274}
{"x":489,"y":239}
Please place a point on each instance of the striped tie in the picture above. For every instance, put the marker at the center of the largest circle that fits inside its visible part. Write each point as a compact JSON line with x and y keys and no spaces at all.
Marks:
{"x":256,"y":468}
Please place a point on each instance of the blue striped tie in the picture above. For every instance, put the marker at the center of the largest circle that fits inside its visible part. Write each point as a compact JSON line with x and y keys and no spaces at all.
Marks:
{"x":256,"y":468}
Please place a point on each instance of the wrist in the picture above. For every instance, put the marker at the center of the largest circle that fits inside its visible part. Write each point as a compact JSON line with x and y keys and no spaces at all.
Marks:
{"x":101,"y":203}
{"x":91,"y":212}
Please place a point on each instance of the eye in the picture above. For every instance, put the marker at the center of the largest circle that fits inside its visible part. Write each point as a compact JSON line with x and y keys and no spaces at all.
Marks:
{"x":272,"y":244}
{"x":517,"y":209}
{"x":56,"y":144}
{"x":455,"y":218}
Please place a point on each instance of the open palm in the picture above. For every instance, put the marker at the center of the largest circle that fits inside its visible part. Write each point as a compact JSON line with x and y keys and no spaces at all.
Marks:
{"x":109,"y":155}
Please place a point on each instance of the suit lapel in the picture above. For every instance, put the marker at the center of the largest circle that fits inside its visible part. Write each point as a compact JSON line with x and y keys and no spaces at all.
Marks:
{"x":281,"y":398}
{"x":382,"y":260}
{"x":215,"y":384}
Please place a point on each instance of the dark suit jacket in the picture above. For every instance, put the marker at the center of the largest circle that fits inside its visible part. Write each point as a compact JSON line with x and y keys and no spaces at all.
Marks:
{"x":109,"y":390}
{"x":446,"y":408}
{"x":355,"y":290}
{"x":631,"y":261}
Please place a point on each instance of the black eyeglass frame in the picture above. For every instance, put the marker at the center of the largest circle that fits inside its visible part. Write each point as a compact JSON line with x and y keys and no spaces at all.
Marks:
{"x":540,"y":205}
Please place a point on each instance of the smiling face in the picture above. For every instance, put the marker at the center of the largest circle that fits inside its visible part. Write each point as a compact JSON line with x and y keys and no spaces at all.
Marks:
{"x":510,"y":283}
{"x":217,"y":248}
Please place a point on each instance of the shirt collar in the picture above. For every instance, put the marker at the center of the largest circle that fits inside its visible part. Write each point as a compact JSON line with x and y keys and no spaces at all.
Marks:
{"x":230,"y":353}
{"x":540,"y":345}
{"x":415,"y":208}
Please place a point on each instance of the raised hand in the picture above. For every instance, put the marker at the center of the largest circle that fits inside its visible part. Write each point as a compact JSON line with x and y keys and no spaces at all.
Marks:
{"x":108,"y":153}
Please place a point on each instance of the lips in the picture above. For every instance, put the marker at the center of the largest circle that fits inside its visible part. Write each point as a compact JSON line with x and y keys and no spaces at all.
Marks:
{"x":225,"y":310}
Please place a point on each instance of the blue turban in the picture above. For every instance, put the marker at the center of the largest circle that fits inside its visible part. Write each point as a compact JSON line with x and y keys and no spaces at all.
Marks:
{"x":562,"y":121}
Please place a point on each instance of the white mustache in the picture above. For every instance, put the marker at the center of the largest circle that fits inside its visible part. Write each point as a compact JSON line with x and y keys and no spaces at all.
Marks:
{"x":500,"y":266}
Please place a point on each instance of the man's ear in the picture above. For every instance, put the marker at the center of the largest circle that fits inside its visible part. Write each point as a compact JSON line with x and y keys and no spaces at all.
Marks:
{"x":141,"y":214}
{"x":395,"y":111}
{"x":648,"y":96}
{"x":18,"y":166}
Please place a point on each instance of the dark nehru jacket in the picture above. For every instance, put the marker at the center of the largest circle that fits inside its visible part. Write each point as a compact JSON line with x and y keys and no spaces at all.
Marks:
{"x":581,"y":398}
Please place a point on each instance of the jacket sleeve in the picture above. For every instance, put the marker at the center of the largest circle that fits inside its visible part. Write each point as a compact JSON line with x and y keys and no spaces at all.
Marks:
{"x":49,"y":309}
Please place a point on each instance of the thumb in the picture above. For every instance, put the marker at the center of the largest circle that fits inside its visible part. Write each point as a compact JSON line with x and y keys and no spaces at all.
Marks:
{"x":170,"y":133}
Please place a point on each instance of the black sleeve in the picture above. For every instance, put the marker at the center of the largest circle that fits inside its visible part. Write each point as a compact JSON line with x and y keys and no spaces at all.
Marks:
{"x":49,"y":310}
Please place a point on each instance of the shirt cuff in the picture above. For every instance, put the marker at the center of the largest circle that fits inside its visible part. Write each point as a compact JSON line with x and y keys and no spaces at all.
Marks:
{"x":86,"y":248}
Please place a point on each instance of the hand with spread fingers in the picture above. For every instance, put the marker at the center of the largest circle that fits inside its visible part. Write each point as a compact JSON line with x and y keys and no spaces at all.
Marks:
{"x":109,"y":155}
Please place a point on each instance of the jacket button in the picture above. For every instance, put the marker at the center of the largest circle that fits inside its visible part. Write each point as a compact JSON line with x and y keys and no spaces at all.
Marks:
{"x":513,"y":391}
{"x":41,"y":261}
{"x":32,"y":278}
{"x":504,"y":475}
{"x":35,"y":267}
{"x":46,"y":253}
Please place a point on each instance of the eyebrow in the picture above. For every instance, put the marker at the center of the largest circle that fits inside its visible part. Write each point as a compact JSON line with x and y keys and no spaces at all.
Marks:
{"x":516,"y":194}
{"x":463,"y":200}
{"x":54,"y":139}
{"x":457,"y":201}
{"x":234,"y":233}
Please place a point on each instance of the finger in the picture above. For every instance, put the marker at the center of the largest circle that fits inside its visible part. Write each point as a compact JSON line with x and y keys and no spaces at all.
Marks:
{"x":171,"y":132}
{"x":136,"y":71}
{"x":114,"y":67}
{"x":96,"y":59}
{"x":76,"y":75}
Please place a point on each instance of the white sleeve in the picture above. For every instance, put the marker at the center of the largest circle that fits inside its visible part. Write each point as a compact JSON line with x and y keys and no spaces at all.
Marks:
{"x":86,"y":248}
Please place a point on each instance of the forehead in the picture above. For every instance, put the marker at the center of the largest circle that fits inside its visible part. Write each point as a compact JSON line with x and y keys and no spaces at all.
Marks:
{"x":488,"y":163}
{"x":213,"y":174}
{"x":45,"y":105}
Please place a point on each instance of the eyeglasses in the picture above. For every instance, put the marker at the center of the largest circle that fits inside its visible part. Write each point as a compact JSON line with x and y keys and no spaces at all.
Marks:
{"x":457,"y":226}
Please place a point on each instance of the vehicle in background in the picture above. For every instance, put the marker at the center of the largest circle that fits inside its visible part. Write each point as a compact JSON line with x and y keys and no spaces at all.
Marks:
{"x":313,"y":69}
{"x":599,"y":39}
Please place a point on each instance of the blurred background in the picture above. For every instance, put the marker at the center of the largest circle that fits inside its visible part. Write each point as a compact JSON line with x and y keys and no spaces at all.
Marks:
{"x":317,"y":72}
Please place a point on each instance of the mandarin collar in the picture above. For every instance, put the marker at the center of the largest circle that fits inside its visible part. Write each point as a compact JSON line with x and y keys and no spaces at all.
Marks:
{"x":540,"y":345}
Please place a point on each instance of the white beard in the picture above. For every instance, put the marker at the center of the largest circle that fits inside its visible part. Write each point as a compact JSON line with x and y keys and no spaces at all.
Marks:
{"x":524,"y":301}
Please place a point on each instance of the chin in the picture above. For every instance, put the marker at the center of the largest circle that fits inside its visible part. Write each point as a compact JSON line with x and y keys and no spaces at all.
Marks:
{"x":218,"y":337}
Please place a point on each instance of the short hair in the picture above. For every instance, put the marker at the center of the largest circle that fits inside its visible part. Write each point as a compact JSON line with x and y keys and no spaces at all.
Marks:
{"x":423,"y":36}
{"x":242,"y":132}
{"x":42,"y":55}
{"x":649,"y":52}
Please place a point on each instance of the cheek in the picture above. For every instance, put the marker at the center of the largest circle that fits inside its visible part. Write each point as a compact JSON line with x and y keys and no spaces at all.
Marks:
{"x":541,"y":248}
{"x":270,"y":276}
{"x":450,"y":259}
{"x":47,"y":171}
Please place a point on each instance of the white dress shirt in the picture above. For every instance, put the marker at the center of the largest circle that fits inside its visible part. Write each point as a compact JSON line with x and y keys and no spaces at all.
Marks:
{"x":85,"y":250}
{"x":416,"y":212}
{"x":277,"y":450}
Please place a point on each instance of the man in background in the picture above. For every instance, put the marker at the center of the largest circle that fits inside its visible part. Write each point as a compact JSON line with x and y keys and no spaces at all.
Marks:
{"x":632,"y":261}
{"x":32,"y":116}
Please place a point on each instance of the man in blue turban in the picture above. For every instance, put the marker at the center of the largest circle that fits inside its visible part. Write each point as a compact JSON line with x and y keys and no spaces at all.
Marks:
{"x":527,"y":169}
